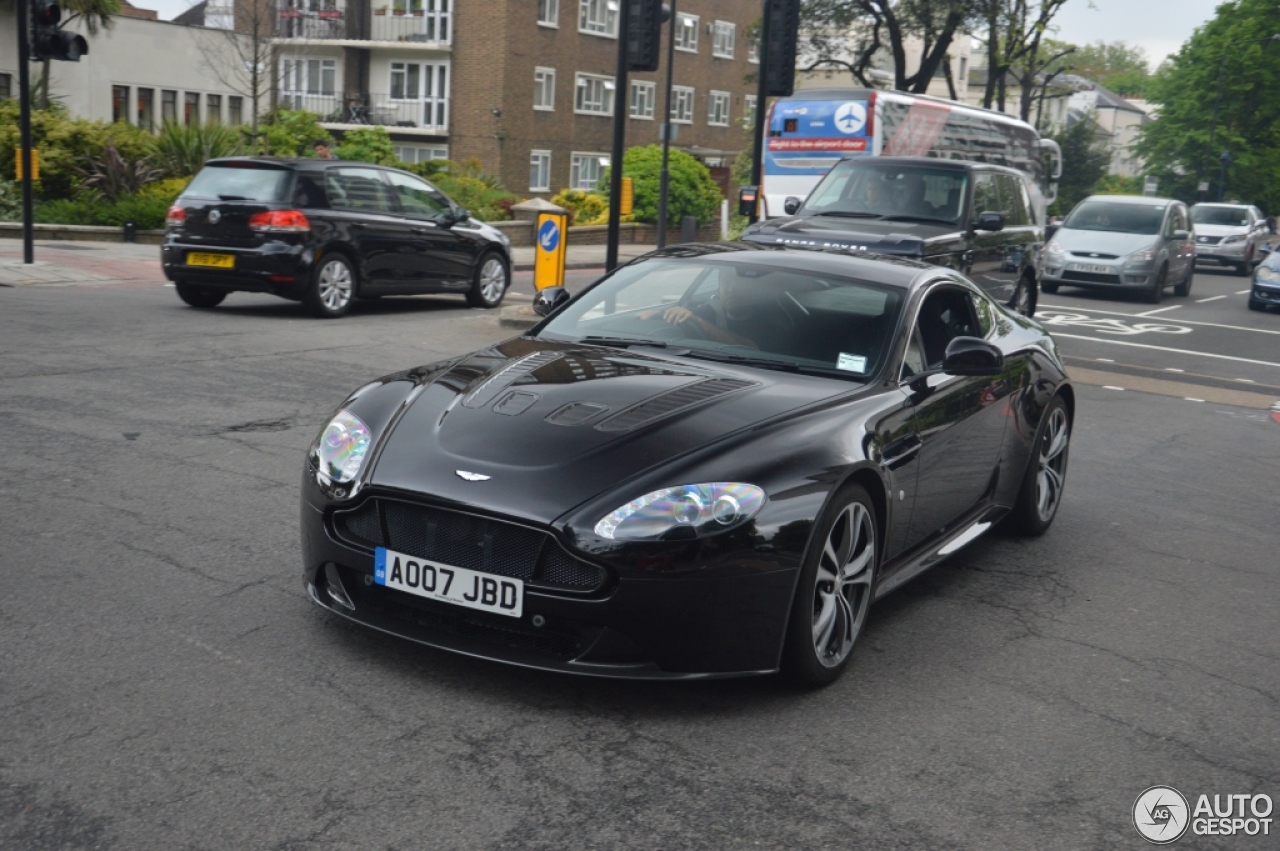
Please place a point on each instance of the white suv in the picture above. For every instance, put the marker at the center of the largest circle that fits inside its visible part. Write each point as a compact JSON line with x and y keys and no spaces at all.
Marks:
{"x":1229,"y":235}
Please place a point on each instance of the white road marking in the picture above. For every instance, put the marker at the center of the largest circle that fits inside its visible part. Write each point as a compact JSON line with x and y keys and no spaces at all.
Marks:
{"x":1111,"y":387}
{"x":1106,"y":360}
{"x":1242,"y":292}
{"x":1171,"y":369}
{"x":1192,"y":399}
{"x":1167,"y":349}
{"x":1247,"y":380}
{"x":1182,"y":321}
{"x":1211,"y":298}
{"x":1158,"y":310}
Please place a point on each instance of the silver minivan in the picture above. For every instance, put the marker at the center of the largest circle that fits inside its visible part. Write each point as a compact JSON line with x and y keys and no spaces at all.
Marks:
{"x":1122,"y":242}
{"x":1229,"y":235}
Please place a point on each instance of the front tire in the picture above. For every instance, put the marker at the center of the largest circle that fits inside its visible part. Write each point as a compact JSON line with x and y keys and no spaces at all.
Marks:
{"x":1025,"y":296}
{"x":1156,"y":293}
{"x":834,"y":592}
{"x":1046,"y":474}
{"x":202,"y":297}
{"x":333,"y":287}
{"x":1182,"y":289}
{"x":489,"y":285}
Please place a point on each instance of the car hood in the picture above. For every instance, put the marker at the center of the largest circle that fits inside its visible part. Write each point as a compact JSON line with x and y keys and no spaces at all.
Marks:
{"x":902,"y":238}
{"x":552,"y":425}
{"x":1103,"y":242}
{"x":1220,"y":230}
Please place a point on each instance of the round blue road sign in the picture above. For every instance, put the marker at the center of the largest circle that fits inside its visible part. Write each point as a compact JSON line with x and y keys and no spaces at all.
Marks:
{"x":549,"y":235}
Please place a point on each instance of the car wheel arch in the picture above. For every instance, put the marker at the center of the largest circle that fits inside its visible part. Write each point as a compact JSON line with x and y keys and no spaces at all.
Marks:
{"x":350,"y":254}
{"x":872,"y":481}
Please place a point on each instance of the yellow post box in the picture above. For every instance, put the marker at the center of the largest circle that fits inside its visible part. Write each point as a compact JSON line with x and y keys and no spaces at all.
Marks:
{"x":551,"y":236}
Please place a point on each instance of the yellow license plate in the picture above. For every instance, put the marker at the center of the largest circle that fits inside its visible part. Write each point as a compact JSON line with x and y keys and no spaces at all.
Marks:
{"x":217,"y":261}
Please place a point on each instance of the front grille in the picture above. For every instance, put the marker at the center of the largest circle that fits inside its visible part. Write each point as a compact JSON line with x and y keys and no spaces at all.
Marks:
{"x":467,"y":540}
{"x":1208,"y":240}
{"x":1092,"y":277}
{"x":1094,"y":255}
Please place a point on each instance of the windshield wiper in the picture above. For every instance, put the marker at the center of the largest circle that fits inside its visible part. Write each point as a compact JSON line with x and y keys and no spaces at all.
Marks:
{"x":906,"y":218}
{"x":848,"y":214}
{"x":623,"y":342}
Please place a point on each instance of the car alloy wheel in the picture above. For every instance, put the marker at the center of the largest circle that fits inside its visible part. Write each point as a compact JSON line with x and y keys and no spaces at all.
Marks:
{"x":490,"y":283}
{"x":1052,"y":475}
{"x":1024,"y":297}
{"x":842,"y":593}
{"x":331,"y":294}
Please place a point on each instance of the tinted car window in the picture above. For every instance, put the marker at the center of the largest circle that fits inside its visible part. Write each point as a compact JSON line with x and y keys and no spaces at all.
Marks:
{"x":985,"y":196}
{"x":861,"y":188}
{"x":308,"y":193}
{"x":417,"y":197}
{"x":358,"y":189}
{"x":1116,"y":216}
{"x":240,"y":182}
{"x":1013,"y":201}
{"x":1232,"y":216}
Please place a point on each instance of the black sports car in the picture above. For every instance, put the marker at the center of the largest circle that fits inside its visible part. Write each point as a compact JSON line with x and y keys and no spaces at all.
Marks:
{"x":708,"y":463}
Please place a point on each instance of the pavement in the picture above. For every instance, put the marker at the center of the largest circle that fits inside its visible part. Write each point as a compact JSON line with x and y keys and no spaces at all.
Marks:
{"x":84,"y":262}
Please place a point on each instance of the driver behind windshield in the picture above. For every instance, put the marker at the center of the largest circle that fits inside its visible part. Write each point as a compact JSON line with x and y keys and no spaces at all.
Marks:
{"x":740,"y":314}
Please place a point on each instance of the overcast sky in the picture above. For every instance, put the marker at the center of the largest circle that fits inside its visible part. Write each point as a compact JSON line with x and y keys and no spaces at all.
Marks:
{"x":1159,"y":26}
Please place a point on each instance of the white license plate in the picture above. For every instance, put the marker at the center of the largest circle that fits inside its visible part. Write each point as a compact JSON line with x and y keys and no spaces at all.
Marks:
{"x":1088,"y":267}
{"x":500,"y":595}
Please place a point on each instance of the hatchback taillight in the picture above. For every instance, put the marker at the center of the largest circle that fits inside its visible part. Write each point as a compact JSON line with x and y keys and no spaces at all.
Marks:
{"x":175,"y":216}
{"x":279,"y":221}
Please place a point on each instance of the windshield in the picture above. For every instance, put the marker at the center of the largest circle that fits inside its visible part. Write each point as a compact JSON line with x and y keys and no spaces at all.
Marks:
{"x":868,"y":189}
{"x":1116,"y":216}
{"x":239,"y":182}
{"x":1231,"y":216}
{"x":728,"y":310}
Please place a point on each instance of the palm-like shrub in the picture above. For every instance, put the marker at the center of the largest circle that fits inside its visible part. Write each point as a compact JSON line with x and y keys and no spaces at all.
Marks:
{"x":113,"y":175}
{"x":183,"y":149}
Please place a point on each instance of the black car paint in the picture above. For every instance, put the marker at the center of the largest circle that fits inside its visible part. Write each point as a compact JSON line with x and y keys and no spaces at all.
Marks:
{"x":714,"y":606}
{"x":392,"y":254}
{"x":995,"y":260}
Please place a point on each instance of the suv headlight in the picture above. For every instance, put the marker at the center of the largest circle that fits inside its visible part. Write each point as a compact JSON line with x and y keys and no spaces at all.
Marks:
{"x":1055,"y":252}
{"x":1145,"y":255}
{"x":703,"y":509}
{"x":1227,"y":240}
{"x":339,"y":452}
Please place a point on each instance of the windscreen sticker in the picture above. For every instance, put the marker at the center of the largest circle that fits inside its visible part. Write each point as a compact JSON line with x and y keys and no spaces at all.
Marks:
{"x":851,"y":363}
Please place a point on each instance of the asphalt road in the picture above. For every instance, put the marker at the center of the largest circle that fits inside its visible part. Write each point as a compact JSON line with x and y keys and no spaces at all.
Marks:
{"x":166,"y":684}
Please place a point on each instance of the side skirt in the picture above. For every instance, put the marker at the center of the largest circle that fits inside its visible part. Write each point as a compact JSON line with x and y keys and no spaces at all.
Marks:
{"x":920,"y":561}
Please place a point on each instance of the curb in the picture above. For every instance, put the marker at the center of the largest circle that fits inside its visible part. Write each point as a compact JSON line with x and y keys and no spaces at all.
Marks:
{"x":518,"y":316}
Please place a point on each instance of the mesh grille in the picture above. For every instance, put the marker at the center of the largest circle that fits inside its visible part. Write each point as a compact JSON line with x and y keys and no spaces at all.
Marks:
{"x":1208,"y":240}
{"x":464,"y":540}
{"x":666,"y":404}
{"x":1091,"y":276}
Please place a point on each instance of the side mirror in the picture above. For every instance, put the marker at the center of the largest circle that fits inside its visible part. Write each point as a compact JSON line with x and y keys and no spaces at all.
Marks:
{"x":791,"y":205}
{"x":990,"y":220}
{"x":549,"y":300}
{"x":972,"y":356}
{"x":1182,"y":235}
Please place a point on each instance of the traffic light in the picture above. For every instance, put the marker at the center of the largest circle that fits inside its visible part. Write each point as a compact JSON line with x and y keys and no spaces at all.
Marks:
{"x":48,"y":40}
{"x":644,"y":33}
{"x":783,"y":28}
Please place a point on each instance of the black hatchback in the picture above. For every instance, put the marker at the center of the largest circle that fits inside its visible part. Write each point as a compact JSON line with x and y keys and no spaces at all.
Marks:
{"x":326,"y":232}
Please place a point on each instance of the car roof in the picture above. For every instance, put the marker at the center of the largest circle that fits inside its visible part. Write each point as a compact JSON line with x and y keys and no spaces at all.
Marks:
{"x":1221,"y":204}
{"x":878,"y":268}
{"x":1133,"y":199}
{"x":308,"y":163}
{"x":932,"y":162}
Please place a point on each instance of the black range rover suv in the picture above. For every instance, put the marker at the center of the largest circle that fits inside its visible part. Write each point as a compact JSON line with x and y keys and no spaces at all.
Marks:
{"x":325,"y":232}
{"x":978,"y":219}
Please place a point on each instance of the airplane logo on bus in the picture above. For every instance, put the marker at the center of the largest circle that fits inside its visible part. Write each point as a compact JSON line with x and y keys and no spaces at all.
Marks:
{"x":851,"y":117}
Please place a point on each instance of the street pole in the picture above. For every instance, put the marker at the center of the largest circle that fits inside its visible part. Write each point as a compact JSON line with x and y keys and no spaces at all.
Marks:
{"x":759,"y":129}
{"x":664,"y":183}
{"x":24,"y":129}
{"x":1222,"y":176}
{"x":619,"y":140}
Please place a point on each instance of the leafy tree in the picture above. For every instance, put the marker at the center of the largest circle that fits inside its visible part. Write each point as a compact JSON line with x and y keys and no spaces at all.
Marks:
{"x":369,"y":145}
{"x":1114,"y":65}
{"x":243,"y":59}
{"x":690,"y":191}
{"x":1085,"y":161}
{"x":1221,"y":71}
{"x":293,"y":132}
{"x":1016,"y":46}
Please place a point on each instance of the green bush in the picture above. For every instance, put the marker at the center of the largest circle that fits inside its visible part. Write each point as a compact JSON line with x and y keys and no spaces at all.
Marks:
{"x":145,"y":210}
{"x":691,"y":191}
{"x":368,"y":145}
{"x":585,"y":208}
{"x":10,"y":201}
{"x":293,"y":132}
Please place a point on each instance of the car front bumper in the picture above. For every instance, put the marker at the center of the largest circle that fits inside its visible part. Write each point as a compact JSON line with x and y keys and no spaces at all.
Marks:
{"x":1225,"y":255}
{"x":1265,"y":292}
{"x":1099,"y":274}
{"x":278,"y":268}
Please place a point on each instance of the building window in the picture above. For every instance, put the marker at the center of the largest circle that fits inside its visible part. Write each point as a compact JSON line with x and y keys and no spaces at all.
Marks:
{"x":681,"y":105}
{"x":436,"y":18}
{"x":146,"y":109}
{"x":213,"y":109}
{"x":584,"y":170}
{"x":120,"y":103}
{"x":748,"y":112}
{"x":539,"y":171}
{"x":687,"y":32}
{"x":308,"y":77}
{"x":191,"y":108}
{"x":544,"y":88}
{"x":169,"y":106}
{"x":6,"y":86}
{"x":593,"y":95}
{"x":235,"y":110}
{"x":725,"y":36}
{"x":421,"y":153}
{"x":643,"y":97}
{"x":753,"y":50}
{"x":548,"y":13}
{"x":598,"y":17}
{"x":718,"y":109}
{"x":419,"y":95}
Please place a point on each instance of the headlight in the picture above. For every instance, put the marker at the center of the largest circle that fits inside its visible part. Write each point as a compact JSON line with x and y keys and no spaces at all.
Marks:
{"x":1144,"y":256}
{"x":1054,"y":251}
{"x":1267,"y":275}
{"x":339,"y":452}
{"x":1227,"y":240}
{"x":702,"y":509}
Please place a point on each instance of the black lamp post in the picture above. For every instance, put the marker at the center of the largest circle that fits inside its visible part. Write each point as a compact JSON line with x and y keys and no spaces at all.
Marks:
{"x":1213,"y":125}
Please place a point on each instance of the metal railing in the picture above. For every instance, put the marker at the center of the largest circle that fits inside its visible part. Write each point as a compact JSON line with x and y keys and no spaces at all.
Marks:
{"x":371,"y":108}
{"x":312,"y":19}
{"x":411,"y":26}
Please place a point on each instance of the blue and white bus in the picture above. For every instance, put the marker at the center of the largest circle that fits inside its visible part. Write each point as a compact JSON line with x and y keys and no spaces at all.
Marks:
{"x":814,"y":129}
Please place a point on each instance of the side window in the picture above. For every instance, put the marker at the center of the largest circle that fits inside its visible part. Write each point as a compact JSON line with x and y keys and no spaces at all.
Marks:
{"x":985,"y":196}
{"x":359,"y":189}
{"x":1012,"y":201}
{"x":1170,"y":222}
{"x":945,"y":314}
{"x":308,"y":193}
{"x":417,"y":197}
{"x":984,"y":310}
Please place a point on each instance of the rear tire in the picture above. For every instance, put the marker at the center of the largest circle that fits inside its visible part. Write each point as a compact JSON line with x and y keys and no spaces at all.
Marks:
{"x":1025,"y":296}
{"x":202,"y":297}
{"x":1183,"y":287}
{"x":1046,"y":474}
{"x":333,"y":288}
{"x":490,"y":281}
{"x":1156,"y":292}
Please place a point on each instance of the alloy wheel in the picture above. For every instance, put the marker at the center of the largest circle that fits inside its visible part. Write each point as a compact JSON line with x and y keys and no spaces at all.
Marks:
{"x":842,"y":593}
{"x":1052,"y":474}
{"x":335,"y":285}
{"x":493,"y":280}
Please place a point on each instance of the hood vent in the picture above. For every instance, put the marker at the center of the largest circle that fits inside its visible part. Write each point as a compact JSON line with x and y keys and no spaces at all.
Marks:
{"x":672,"y":402}
{"x":504,"y":378}
{"x":575,"y":413}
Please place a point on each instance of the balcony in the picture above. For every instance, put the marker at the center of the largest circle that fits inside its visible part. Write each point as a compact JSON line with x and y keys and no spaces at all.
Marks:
{"x":413,"y":116}
{"x":411,"y":22}
{"x":314,"y":20}
{"x":411,"y":26}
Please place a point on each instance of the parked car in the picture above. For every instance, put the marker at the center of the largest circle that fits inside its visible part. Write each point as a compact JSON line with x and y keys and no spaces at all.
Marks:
{"x":326,"y":232}
{"x":1229,"y":235}
{"x":975,"y":218}
{"x":708,"y":463}
{"x":1122,"y":242}
{"x":1266,"y":281}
